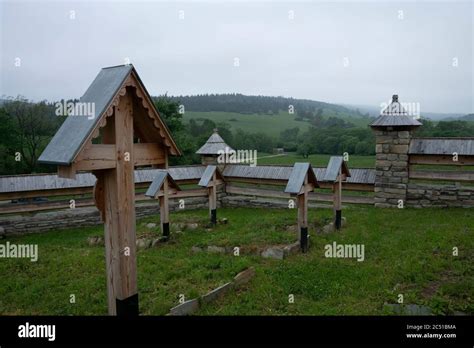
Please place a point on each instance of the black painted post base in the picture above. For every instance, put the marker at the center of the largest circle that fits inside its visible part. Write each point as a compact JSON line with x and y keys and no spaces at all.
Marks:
{"x":304,"y":239}
{"x":213,"y":216}
{"x":127,"y":307}
{"x":166,"y":229}
{"x":338,"y":221}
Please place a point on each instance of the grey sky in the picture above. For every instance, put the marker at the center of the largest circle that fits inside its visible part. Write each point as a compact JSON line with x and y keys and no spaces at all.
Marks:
{"x":301,"y":58}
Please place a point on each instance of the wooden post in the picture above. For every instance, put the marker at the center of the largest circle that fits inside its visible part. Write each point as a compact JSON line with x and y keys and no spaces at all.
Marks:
{"x":303,"y":217}
{"x":337,"y":189}
{"x":118,"y":189}
{"x":164,"y":210}
{"x":213,"y":200}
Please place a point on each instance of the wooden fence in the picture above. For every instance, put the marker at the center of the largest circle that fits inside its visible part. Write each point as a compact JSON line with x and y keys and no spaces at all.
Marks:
{"x":30,"y":193}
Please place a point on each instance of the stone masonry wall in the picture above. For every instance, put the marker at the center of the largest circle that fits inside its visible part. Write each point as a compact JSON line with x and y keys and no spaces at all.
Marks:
{"x":391,"y":165}
{"x":443,"y":196}
{"x":86,"y":216}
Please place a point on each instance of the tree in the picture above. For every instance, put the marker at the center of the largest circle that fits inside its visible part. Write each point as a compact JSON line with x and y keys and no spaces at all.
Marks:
{"x":33,"y":124}
{"x":304,"y":149}
{"x":169,"y":112}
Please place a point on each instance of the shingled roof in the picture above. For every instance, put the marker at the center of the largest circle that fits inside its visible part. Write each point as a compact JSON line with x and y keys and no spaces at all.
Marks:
{"x":158,"y":181}
{"x":76,"y":130}
{"x":395,"y":115}
{"x":297,"y":177}
{"x":215,"y":145}
{"x":442,"y":146}
{"x":335,"y":164}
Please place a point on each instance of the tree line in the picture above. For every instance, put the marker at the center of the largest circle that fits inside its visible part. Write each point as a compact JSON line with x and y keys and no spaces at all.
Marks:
{"x":27,"y":127}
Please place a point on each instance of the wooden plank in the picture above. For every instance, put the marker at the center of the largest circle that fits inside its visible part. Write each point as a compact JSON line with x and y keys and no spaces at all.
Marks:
{"x":257,"y":181}
{"x":84,"y":202}
{"x":45,"y":193}
{"x":321,"y":197}
{"x":99,"y":194}
{"x":441,"y":160}
{"x":164,"y":206}
{"x":442,"y":175}
{"x":67,"y":172}
{"x":96,"y":157}
{"x":119,"y":190}
{"x":148,"y":154}
{"x":103,"y":156}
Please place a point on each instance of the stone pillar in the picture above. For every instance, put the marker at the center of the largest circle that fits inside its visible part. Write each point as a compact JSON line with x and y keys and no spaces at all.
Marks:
{"x":393,"y":131}
{"x":391,"y":165}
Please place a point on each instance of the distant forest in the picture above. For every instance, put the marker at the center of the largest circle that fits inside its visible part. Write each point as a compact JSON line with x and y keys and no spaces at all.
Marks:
{"x":245,"y":104}
{"x":27,"y":127}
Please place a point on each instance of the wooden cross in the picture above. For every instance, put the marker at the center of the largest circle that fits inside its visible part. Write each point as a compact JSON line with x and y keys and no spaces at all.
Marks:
{"x":302,"y":181}
{"x":211,"y":179}
{"x":162,"y":187}
{"x":125,"y":112}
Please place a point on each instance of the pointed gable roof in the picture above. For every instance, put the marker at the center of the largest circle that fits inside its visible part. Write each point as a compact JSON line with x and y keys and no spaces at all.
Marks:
{"x":395,"y":115}
{"x":214,"y":145}
{"x":297,"y":176}
{"x":335,"y":164}
{"x":208,"y":174}
{"x":103,"y":94}
{"x":157,"y":183}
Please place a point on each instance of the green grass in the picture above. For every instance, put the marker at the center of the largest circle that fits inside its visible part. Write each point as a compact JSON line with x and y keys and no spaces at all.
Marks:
{"x":406,"y":251}
{"x":271,"y":125}
{"x":316,"y":160}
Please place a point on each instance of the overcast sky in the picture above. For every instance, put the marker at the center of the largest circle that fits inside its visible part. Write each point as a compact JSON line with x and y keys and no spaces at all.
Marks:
{"x":357,"y":52}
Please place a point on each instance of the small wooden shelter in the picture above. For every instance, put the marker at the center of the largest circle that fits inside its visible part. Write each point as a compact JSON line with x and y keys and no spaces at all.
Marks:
{"x":162,"y":187}
{"x":125,"y":131}
{"x":336,"y":173}
{"x":211,"y":179}
{"x":213,"y":148}
{"x":302,"y":181}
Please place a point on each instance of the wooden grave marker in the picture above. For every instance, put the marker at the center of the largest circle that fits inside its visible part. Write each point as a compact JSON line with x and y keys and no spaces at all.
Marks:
{"x":337,"y":172}
{"x":302,"y":181}
{"x":212,"y":178}
{"x":162,"y":187}
{"x":125,"y":131}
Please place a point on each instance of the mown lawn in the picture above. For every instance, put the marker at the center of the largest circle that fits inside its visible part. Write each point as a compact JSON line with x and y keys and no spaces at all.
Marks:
{"x":407,"y":252}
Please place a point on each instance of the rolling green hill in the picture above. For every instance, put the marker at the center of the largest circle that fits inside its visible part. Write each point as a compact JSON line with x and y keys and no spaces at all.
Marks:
{"x":272,"y":125}
{"x":270,"y":115}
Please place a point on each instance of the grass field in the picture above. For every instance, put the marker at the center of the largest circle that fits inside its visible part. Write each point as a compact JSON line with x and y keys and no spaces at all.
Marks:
{"x":271,"y":125}
{"x":316,"y":160}
{"x":407,"y":252}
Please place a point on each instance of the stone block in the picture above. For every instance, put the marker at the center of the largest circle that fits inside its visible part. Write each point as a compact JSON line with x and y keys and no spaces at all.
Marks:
{"x":383,"y":163}
{"x":401,"y":149}
{"x":216,"y":293}
{"x":404,"y":134}
{"x":244,"y":276}
{"x":291,"y":249}
{"x":215,"y":249}
{"x":185,"y":308}
{"x":273,"y":253}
